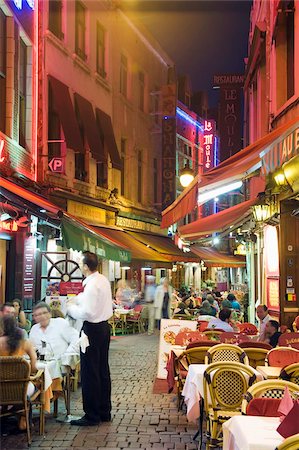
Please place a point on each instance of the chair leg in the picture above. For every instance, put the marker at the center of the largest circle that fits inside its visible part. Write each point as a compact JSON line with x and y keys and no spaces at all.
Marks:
{"x":28,"y":430}
{"x":42,"y":420}
{"x":55,"y":410}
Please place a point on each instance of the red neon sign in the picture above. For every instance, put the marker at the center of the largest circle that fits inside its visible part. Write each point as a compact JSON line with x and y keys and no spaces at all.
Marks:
{"x":9,"y":226}
{"x":208,"y":144}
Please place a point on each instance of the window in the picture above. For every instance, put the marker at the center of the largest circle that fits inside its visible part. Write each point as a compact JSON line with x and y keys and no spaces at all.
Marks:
{"x":102,"y":174}
{"x":284,"y":48}
{"x":80,"y":163}
{"x":123,"y":144}
{"x":55,"y":18}
{"x":123,"y":75}
{"x":22,"y":93}
{"x":290,"y":52}
{"x":155,"y":180}
{"x":80,"y":30}
{"x":101,"y":49}
{"x":141,"y":90}
{"x":2,"y":70}
{"x":139,"y":178}
{"x":54,"y":129}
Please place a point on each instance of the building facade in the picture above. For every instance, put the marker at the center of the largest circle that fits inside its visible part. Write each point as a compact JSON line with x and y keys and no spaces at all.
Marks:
{"x":272,"y":103}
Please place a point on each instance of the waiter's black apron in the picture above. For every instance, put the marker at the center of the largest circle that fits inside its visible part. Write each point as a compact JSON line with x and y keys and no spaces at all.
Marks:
{"x":95,"y":373}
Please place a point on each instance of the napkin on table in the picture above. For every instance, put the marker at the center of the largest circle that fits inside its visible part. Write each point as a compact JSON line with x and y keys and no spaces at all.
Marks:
{"x":290,"y":424}
{"x":285,"y":405}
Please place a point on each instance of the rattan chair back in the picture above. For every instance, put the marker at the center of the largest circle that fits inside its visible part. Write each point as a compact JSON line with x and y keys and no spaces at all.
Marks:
{"x":213,"y":335}
{"x":282,"y":356}
{"x":196,"y":355}
{"x":291,"y":443}
{"x":291,"y":373}
{"x":268,"y":389}
{"x":14,"y":379}
{"x":226,"y":352}
{"x":256,"y":356}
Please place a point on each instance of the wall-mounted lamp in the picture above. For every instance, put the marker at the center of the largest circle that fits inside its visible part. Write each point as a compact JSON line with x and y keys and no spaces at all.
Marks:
{"x":280,"y":178}
{"x":261,"y":211}
{"x":186,"y":175}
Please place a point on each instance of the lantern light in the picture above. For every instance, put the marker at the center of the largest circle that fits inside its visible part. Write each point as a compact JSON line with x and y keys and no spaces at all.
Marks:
{"x":186,"y":175}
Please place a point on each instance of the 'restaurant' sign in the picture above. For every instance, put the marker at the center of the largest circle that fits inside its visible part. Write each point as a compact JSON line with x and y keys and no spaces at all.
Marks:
{"x":230,"y":122}
{"x":281,"y":150}
{"x":209,"y":144}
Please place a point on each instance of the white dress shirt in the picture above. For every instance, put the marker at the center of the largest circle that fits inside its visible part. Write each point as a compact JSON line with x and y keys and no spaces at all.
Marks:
{"x":94,"y":304}
{"x":59,"y":336}
{"x":262,"y":328}
{"x":219,"y":324}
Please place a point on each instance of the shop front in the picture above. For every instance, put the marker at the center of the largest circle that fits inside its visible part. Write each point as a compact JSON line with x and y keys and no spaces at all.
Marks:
{"x":41,"y":245}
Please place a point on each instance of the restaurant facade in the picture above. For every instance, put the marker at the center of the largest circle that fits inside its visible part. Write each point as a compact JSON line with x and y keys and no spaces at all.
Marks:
{"x":265,"y":172}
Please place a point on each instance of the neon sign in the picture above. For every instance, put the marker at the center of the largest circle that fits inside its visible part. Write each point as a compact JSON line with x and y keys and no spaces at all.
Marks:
{"x":19,"y":4}
{"x":9,"y":226}
{"x":208,"y":144}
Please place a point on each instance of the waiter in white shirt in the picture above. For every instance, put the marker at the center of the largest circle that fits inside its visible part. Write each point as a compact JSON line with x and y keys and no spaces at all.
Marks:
{"x":94,"y":307}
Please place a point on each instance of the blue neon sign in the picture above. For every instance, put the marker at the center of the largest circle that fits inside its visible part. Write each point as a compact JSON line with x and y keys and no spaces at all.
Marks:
{"x":19,"y":4}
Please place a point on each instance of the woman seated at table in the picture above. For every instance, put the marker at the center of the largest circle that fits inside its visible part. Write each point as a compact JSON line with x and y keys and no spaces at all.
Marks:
{"x":207,"y":309}
{"x":19,"y":313}
{"x":12,"y":342}
{"x":183,"y":307}
{"x":123,"y":295}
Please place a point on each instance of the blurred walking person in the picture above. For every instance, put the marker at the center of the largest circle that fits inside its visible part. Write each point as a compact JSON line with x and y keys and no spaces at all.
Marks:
{"x":162,"y":301}
{"x":149,"y":297}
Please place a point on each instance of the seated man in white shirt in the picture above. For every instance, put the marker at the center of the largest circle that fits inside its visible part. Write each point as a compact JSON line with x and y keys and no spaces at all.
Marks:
{"x":264,"y":317}
{"x":54,"y":336}
{"x":221,"y":323}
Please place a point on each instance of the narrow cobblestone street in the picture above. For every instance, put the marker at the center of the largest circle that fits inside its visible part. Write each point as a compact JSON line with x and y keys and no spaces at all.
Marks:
{"x":141,"y":419}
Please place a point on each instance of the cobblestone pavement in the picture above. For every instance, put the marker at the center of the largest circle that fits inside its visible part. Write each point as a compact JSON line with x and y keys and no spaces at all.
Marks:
{"x":141,"y":419}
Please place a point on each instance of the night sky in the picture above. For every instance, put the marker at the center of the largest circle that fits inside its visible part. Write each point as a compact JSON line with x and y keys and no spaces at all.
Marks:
{"x":202,"y":37}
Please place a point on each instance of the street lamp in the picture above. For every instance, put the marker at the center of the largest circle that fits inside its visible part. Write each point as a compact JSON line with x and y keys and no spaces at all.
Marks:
{"x":186,"y":175}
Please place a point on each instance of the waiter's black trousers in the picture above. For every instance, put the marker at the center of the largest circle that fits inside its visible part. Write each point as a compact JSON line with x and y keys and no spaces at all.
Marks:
{"x":95,"y":373}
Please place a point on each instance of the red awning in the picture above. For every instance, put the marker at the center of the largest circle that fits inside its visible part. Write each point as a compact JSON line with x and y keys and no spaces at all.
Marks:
{"x":237,"y":167}
{"x":212,"y":258}
{"x":30,"y":197}
{"x":216,"y":222}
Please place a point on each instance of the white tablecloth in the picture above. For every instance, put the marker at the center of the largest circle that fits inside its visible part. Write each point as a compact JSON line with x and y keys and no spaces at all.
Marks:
{"x":193,"y":389}
{"x":251,"y":433}
{"x":55,"y":368}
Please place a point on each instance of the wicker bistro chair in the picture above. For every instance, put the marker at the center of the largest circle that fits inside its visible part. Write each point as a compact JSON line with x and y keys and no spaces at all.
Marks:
{"x":291,"y":443}
{"x":194,"y":355}
{"x":290,"y":373}
{"x":213,"y":335}
{"x":256,"y":356}
{"x":14,"y":380}
{"x":273,"y":389}
{"x":226,"y":352}
{"x":225,"y":384}
{"x":282,"y":356}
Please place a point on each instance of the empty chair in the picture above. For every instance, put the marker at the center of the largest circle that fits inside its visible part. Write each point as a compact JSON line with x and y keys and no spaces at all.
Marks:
{"x":268,"y":389}
{"x":257,"y":354}
{"x":213,"y":335}
{"x":204,"y":343}
{"x":291,"y":443}
{"x":225,"y":383}
{"x":288,"y":339}
{"x":291,"y":373}
{"x":226,"y":352}
{"x":282,"y":356}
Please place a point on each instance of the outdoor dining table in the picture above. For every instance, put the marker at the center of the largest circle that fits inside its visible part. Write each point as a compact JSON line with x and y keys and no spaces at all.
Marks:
{"x":251,"y":433}
{"x":193,"y":390}
{"x":269,"y":372}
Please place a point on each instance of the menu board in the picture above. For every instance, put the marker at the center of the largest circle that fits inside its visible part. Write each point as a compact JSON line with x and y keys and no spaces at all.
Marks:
{"x":168,"y":332}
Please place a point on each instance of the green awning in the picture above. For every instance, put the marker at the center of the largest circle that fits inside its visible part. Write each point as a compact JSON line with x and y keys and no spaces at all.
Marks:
{"x":78,"y":237}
